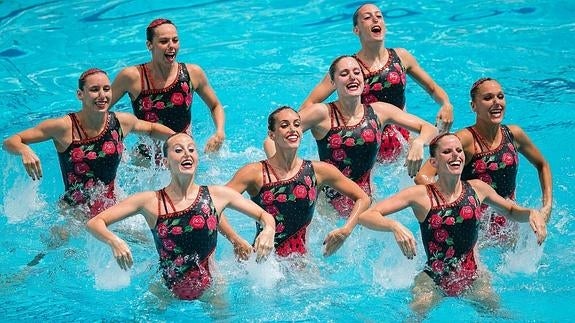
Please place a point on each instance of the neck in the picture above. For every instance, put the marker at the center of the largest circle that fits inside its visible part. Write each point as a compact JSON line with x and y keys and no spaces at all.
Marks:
{"x":183,"y":187}
{"x":284,"y":159}
{"x":350,"y":105}
{"x":372,"y":50}
{"x":92,"y":120}
{"x":449,"y":185}
{"x":487,"y":130}
{"x":161,"y":69}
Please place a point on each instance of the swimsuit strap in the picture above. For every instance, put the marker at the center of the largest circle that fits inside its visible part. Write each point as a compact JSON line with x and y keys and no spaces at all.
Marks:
{"x":266,"y":172}
{"x":163,"y":197}
{"x":335,"y":115}
{"x":144,"y":78}
{"x":76,"y":125}
{"x":478,"y":140}
{"x":435,"y":195}
{"x":384,"y":66}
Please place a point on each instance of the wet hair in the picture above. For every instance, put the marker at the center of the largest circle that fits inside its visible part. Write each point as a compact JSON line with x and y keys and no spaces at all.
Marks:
{"x":88,"y":72}
{"x":356,"y":13}
{"x":272,"y":116}
{"x":435,"y":142}
{"x":165,"y":145}
{"x":333,"y":65}
{"x":476,"y":85}
{"x":155,"y":23}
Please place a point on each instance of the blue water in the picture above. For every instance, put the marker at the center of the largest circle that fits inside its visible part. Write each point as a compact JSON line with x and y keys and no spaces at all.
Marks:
{"x":259,"y":55}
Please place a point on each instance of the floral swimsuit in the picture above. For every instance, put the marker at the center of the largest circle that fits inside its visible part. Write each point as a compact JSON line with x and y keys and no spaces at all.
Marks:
{"x":387,"y":85}
{"x":185,"y":240}
{"x":89,"y":165}
{"x":169,"y":106}
{"x":353,"y":150}
{"x":498,"y":168}
{"x":449,"y":234}
{"x":292,"y":203}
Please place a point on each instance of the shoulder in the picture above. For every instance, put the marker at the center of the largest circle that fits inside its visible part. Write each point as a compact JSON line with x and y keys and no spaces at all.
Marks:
{"x":194,"y":69}
{"x":130,"y":72}
{"x":515,"y":130}
{"x":403,"y":54}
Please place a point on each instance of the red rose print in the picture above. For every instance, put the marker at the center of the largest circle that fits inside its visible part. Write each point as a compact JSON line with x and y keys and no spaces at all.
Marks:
{"x":168,"y":244}
{"x":268,"y":197}
{"x":368,"y":135}
{"x":377,"y":87}
{"x":440,"y":235}
{"x":450,"y":221}
{"x":370,"y":98}
{"x":179,"y":260}
{"x":185,"y":87}
{"x":206,"y":209}
{"x":147,"y":104}
{"x":177,"y":98}
{"x":307,"y":180}
{"x":435,"y":221}
{"x":77,"y":155}
{"x":334,"y":141}
{"x":485,"y":178}
{"x":508,"y":159}
{"x":120,"y":147}
{"x":437,"y":266}
{"x":108,"y":147}
{"x":159,"y":105}
{"x":91,"y":155}
{"x":81,"y":168}
{"x":151,"y":117}
{"x":162,"y":230}
{"x":115,"y":135}
{"x":89,"y":183}
{"x":312,"y":194}
{"x":282,"y":198}
{"x":197,"y":222}
{"x":72,"y":178}
{"x":212,"y":222}
{"x":349,"y":142}
{"x":472,"y":201}
{"x":338,"y":155}
{"x":433,"y":247}
{"x":479,"y":166}
{"x":188,"y":100}
{"x":500,"y":220}
{"x":393,"y":78}
{"x":176,"y":230}
{"x":346,"y":171}
{"x":466,"y":212}
{"x":493,"y":166}
{"x":511,"y":147}
{"x":300,"y":191}
{"x":280,"y":228}
{"x":273,"y":210}
{"x":398,"y":68}
{"x":78,"y":197}
{"x":449,"y":253}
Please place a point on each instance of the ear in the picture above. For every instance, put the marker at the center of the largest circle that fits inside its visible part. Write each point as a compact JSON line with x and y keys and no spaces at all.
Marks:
{"x":356,"y":30}
{"x":433,"y":162}
{"x":271,"y":134}
{"x":165,"y":162}
{"x":79,"y":94}
{"x":472,"y":106}
{"x":149,"y":45}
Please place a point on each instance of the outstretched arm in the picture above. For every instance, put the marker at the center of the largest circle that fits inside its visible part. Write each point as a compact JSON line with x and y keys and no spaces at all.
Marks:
{"x":444,"y":117}
{"x":242,"y":248}
{"x":321,"y":92}
{"x":155,"y":130}
{"x":208,"y":95}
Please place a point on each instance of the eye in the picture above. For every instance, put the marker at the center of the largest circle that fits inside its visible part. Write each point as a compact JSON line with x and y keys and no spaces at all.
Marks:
{"x":501,"y":96}
{"x":297,"y":123}
{"x":178,"y":150}
{"x":191,"y":150}
{"x":107,"y":88}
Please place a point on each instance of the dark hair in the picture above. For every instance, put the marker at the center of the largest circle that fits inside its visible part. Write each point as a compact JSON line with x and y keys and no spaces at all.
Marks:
{"x":476,"y":85}
{"x":435,"y":141}
{"x":271,"y":117}
{"x":165,"y":145}
{"x":88,"y":72}
{"x":356,"y":13}
{"x":155,"y":23}
{"x":334,"y":64}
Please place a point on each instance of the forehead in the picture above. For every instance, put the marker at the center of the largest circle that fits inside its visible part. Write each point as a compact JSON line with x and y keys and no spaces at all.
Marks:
{"x":287,"y":114}
{"x":347,"y":63}
{"x":181,"y":139}
{"x":449,"y":141}
{"x":490,"y":86}
{"x":97,"y":78}
{"x":165,"y":30}
{"x":368,"y":8}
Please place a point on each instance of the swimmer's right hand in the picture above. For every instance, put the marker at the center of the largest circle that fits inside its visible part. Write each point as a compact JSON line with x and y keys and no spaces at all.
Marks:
{"x":405,"y":240}
{"x":31,"y":163}
{"x":264,"y":244}
{"x":122,"y":253}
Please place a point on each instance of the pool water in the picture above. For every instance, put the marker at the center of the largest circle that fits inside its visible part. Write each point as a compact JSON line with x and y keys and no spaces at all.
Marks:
{"x":259,"y":55}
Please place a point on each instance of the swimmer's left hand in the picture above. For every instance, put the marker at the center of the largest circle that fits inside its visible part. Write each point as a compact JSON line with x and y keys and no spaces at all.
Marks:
{"x":214,"y":143}
{"x":334,"y":241}
{"x":538,"y":225}
{"x":414,"y":157}
{"x":242,"y":249}
{"x":264,"y":243}
{"x":444,"y":118}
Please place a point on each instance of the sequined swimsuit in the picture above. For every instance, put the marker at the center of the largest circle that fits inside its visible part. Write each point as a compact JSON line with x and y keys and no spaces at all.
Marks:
{"x":292,"y":203}
{"x":498,"y":168}
{"x":89,"y":165}
{"x":387,"y":85}
{"x":353,"y":150}
{"x":449,"y":234}
{"x":185,"y":240}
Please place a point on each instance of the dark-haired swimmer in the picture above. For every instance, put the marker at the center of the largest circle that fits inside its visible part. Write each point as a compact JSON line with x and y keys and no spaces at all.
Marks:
{"x":89,"y":144}
{"x":385,"y":71}
{"x":286,"y":186}
{"x":161,"y":91}
{"x":491,"y":155}
{"x":347,"y":132}
{"x":184,"y":218}
{"x":448,"y":213}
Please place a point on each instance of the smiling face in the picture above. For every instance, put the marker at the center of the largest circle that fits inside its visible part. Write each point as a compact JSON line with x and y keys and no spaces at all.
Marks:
{"x":165,"y":44}
{"x":96,"y":92}
{"x":181,"y":154}
{"x":369,"y":24}
{"x":448,"y":155}
{"x":286,"y":131}
{"x":489,"y":102}
{"x":347,"y":77}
